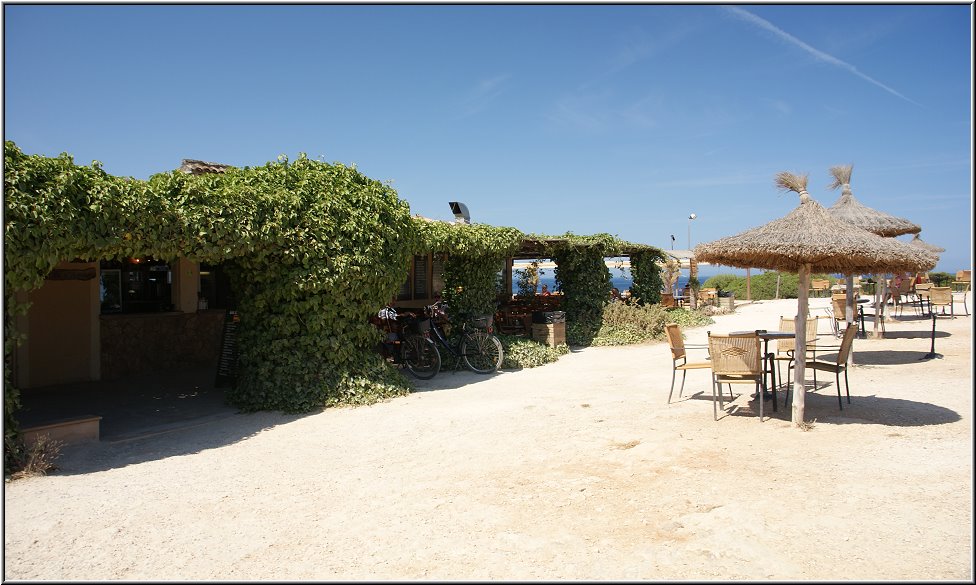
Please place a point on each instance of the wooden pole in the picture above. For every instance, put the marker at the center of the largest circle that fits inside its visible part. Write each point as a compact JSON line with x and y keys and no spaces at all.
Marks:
{"x":748,"y":285}
{"x":849,"y":312}
{"x":800,"y":346}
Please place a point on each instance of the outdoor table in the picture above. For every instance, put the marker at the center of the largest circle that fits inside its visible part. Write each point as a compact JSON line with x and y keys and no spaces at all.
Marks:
{"x":768,"y":359}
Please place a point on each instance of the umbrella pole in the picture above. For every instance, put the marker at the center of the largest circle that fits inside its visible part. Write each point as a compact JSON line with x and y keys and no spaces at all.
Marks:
{"x":849,"y":313}
{"x":799,"y":375}
{"x":878,"y":285}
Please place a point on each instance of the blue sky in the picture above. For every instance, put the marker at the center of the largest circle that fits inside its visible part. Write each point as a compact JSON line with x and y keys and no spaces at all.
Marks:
{"x":550,"y":118}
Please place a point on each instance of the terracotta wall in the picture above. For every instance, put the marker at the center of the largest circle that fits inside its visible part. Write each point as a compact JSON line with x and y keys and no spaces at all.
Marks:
{"x":61,"y":328}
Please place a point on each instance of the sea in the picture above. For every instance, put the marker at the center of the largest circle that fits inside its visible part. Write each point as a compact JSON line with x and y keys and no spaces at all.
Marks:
{"x":622,"y":279}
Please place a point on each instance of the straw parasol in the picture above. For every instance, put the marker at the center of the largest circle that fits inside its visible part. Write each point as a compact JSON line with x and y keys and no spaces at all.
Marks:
{"x":919,"y":243}
{"x":809,"y":238}
{"x":849,"y":209}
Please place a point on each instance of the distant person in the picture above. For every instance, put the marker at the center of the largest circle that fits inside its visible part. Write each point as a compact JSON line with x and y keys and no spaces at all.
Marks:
{"x":545,"y":290}
{"x":615,"y":294}
{"x":893,"y":288}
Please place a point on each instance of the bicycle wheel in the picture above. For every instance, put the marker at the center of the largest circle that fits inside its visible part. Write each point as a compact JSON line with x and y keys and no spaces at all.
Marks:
{"x":482,"y":352}
{"x":421,"y":357}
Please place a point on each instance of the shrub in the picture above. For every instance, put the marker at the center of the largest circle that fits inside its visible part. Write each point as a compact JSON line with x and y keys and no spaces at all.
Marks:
{"x":35,"y":459}
{"x":522,"y":352}
{"x":626,"y":323}
{"x":941,"y":278}
{"x":762,"y":285}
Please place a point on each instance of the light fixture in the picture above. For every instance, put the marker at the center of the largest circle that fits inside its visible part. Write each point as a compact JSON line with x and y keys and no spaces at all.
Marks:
{"x":690,"y":217}
{"x":460,"y":212}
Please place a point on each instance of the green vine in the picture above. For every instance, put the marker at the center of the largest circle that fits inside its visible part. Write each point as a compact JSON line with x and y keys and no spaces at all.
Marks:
{"x":646,"y":273}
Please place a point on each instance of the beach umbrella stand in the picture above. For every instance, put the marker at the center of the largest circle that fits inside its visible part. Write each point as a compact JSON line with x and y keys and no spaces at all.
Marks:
{"x":931,"y":354}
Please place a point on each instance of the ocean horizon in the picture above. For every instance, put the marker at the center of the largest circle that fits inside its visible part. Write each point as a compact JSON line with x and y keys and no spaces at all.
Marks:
{"x":622,"y":280}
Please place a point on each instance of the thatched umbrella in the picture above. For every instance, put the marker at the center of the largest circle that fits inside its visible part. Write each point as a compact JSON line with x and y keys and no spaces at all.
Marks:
{"x":919,"y":243}
{"x":849,"y":209}
{"x":807,"y":239}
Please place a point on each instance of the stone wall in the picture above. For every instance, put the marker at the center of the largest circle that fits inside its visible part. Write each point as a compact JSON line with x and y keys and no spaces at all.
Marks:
{"x":141,"y":343}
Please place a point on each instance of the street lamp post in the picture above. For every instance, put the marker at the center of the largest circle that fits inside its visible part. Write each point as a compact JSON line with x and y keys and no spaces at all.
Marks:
{"x":690,"y":217}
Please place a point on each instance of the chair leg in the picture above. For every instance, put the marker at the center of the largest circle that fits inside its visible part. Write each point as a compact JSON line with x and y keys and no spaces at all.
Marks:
{"x":684,"y":374}
{"x":714,"y":406}
{"x":837,"y":383}
{"x":847,"y":386}
{"x":673,"y":373}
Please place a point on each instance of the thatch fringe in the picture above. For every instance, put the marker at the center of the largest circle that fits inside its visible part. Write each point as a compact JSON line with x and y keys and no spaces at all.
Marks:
{"x":786,"y":181}
{"x":842,"y":175}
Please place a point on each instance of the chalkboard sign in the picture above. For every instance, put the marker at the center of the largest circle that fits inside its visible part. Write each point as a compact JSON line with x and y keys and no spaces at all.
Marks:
{"x":227,"y":362}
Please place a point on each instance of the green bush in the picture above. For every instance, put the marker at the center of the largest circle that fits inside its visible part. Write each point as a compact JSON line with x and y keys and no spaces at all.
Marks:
{"x":522,"y":352}
{"x":630,"y":323}
{"x":763,"y":285}
{"x":941,"y":278}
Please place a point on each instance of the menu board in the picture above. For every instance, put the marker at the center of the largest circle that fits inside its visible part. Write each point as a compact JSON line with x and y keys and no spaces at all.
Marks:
{"x":227,"y":362}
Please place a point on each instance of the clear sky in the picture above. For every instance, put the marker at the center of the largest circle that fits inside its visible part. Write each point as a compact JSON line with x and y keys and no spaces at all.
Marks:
{"x":622,"y":119}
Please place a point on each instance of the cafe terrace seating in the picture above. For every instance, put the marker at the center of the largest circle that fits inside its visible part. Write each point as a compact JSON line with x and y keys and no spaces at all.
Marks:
{"x":941,"y":296}
{"x":786,"y":348}
{"x":678,"y":354}
{"x":837,"y":365}
{"x":961,"y":285}
{"x":736,"y":359}
{"x":708,"y":296}
{"x":819,"y":287}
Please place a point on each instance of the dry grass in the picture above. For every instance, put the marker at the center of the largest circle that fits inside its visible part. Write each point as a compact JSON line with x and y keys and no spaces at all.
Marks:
{"x":39,"y":458}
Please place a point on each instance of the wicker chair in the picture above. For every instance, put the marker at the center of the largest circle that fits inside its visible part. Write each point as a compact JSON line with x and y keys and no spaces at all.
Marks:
{"x":836,"y":366}
{"x":819,"y":287}
{"x":922,"y":295}
{"x":903,"y":293}
{"x":736,"y":359}
{"x":941,"y":296}
{"x":679,"y":357}
{"x":786,"y":348}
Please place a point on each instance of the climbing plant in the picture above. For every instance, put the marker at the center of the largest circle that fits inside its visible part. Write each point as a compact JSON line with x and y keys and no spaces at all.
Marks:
{"x":582,"y":275}
{"x":475,"y":255}
{"x":313,"y":249}
{"x":646,"y":273}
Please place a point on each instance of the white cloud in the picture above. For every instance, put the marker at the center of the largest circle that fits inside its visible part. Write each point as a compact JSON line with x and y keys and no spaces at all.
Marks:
{"x":816,"y":53}
{"x":483,"y":93}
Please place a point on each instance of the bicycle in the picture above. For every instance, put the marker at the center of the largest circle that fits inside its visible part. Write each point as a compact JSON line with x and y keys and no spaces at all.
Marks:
{"x":408,"y":343}
{"x":476,"y":346}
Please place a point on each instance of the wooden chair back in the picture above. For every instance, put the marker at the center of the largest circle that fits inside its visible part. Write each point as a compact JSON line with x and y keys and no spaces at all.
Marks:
{"x":940,"y":296}
{"x":846,"y":344}
{"x":735,"y":355}
{"x":789,"y":324}
{"x":964,"y":276}
{"x":839,"y":304}
{"x":675,"y":340}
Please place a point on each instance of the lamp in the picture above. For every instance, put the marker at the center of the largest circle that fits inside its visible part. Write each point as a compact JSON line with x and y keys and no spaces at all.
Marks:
{"x":690,"y":217}
{"x":672,"y":241}
{"x":460,"y":212}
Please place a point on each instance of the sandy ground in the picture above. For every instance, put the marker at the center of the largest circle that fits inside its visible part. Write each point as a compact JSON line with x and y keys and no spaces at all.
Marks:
{"x":578,"y":470}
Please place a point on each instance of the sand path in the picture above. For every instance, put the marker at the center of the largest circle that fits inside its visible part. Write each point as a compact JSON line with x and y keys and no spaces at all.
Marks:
{"x":575,"y":470}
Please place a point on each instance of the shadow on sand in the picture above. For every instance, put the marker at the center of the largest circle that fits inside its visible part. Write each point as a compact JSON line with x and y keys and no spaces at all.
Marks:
{"x":821,"y":406}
